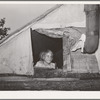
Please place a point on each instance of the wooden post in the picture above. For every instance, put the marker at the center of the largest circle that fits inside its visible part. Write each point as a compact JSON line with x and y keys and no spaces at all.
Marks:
{"x":66,"y":54}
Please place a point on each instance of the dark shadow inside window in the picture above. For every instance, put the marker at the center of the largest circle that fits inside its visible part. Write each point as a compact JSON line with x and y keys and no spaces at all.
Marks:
{"x":41,"y":42}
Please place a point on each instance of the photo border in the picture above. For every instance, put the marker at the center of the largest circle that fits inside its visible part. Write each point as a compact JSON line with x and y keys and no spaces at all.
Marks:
{"x":49,"y":95}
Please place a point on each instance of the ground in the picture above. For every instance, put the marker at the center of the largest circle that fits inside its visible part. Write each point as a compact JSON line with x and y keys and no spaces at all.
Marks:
{"x":55,"y":80}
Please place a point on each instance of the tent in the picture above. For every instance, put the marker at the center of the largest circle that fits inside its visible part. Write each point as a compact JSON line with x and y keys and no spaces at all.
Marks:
{"x":20,"y":50}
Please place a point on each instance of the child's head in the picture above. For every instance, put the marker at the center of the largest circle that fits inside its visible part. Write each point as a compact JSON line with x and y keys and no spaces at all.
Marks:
{"x":47,"y":56}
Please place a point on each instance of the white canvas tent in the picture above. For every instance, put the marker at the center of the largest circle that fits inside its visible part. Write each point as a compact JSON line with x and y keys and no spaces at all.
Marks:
{"x":16,"y":50}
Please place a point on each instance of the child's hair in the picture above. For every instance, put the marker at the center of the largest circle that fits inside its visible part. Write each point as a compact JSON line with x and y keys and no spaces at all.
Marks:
{"x":42,"y":54}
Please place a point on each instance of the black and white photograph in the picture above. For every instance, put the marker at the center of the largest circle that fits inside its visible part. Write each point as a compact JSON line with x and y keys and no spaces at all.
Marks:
{"x":49,"y":47}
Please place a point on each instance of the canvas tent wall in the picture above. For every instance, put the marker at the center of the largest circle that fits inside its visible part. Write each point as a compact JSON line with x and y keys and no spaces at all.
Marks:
{"x":16,"y":50}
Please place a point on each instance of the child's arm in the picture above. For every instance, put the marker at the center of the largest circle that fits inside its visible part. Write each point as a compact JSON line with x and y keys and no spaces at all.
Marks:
{"x":56,"y":66}
{"x":37,"y":64}
{"x":53,"y":65}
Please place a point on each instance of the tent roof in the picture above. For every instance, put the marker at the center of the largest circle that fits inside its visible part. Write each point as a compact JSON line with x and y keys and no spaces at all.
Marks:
{"x":67,"y":15}
{"x":31,"y":22}
{"x":54,"y":18}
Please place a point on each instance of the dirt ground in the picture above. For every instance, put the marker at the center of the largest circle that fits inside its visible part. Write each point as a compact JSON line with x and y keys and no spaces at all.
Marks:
{"x":69,"y":82}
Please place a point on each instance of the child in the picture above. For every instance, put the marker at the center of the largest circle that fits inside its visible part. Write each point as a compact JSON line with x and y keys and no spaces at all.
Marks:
{"x":46,"y":60}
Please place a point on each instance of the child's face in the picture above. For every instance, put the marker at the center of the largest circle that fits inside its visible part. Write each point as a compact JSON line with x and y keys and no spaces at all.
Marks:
{"x":48,"y":57}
